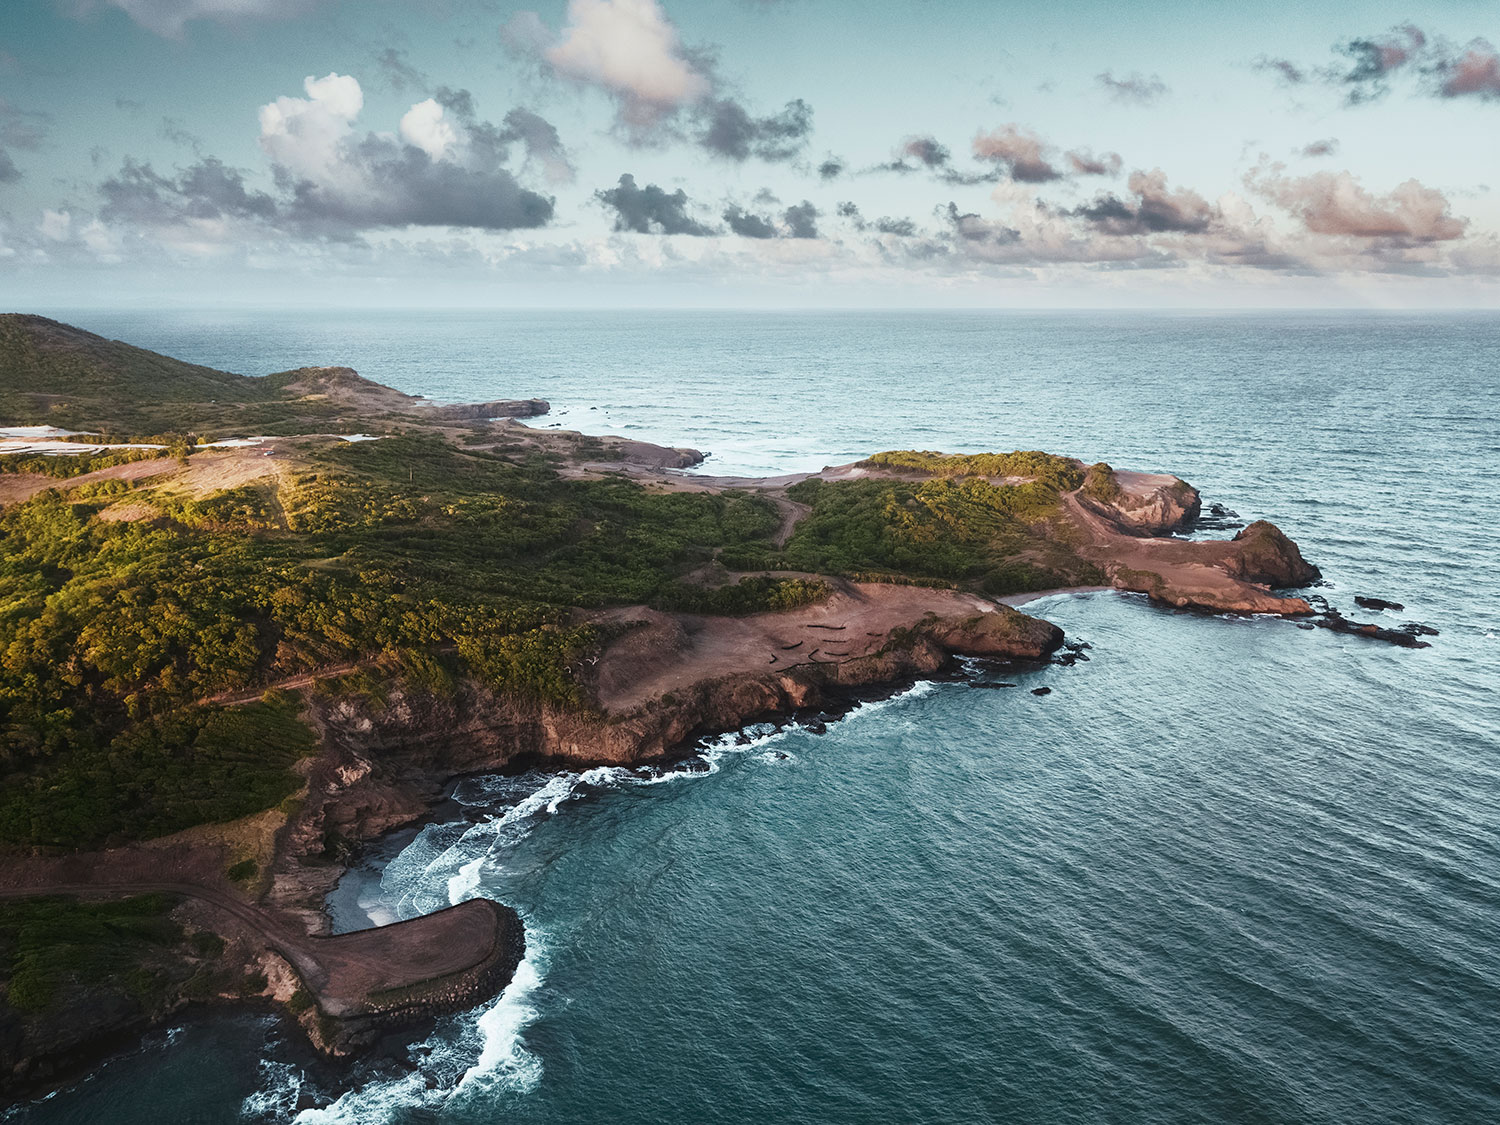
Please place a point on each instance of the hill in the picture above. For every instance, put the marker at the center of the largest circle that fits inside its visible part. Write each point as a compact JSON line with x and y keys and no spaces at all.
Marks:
{"x":55,"y":374}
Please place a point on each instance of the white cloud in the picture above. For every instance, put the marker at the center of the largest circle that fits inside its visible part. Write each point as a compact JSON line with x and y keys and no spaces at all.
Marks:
{"x":425,"y":127}
{"x":630,"y":49}
{"x":305,"y":135}
{"x":56,"y":225}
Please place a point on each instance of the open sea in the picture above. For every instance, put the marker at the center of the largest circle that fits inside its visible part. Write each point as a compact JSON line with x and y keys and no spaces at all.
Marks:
{"x":1228,"y":871}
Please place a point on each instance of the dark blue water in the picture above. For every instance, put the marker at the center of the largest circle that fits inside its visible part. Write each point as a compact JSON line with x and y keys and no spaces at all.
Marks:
{"x":1228,"y":870}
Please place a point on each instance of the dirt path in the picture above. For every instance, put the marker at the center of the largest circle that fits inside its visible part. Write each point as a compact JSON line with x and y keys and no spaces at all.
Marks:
{"x":305,"y":679}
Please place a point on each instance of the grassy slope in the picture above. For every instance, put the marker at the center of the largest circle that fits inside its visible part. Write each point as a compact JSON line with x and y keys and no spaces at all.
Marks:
{"x":55,"y":374}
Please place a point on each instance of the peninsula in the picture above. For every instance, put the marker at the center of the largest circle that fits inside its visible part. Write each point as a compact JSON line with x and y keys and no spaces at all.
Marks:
{"x":248,"y":623}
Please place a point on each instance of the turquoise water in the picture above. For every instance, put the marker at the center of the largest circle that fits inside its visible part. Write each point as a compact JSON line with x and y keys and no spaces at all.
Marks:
{"x":1228,"y":870}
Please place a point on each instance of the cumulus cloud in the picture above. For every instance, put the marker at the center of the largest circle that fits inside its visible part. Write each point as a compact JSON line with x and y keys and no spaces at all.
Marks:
{"x":170,"y":17}
{"x":1335,"y":203}
{"x":801,"y":220}
{"x":650,"y":210}
{"x":831,"y":168}
{"x":730,"y":131}
{"x":747,"y":224}
{"x":662,"y":89}
{"x":1135,"y":89}
{"x":628,"y":48}
{"x":1150,"y":208}
{"x":1020,"y":152}
{"x":445,"y":169}
{"x":442,"y":167}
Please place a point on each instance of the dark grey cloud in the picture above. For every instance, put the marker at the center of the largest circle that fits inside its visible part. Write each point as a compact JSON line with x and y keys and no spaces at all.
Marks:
{"x":1372,"y":60}
{"x":926,"y":151}
{"x":972,"y":228}
{"x":208,"y":189}
{"x":727,"y":129}
{"x":405,"y":187}
{"x":1326,"y":147}
{"x":374,"y":181}
{"x":1153,"y":210}
{"x":396,"y":73}
{"x":1136,"y":89}
{"x":831,"y":168}
{"x":650,"y":210}
{"x":903,"y":228}
{"x":801,"y":220}
{"x":541,"y":141}
{"x":747,"y":224}
{"x":1367,"y":64}
{"x":19,"y":129}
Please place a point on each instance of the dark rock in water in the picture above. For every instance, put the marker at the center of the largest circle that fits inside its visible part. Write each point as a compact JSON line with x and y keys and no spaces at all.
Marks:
{"x":1402,"y":638}
{"x":1306,"y":625}
{"x":781,"y":756}
{"x":1218,"y":518}
{"x":1041,"y":691}
{"x":1417,"y":630}
{"x":989,"y":684}
{"x":1376,"y":603}
{"x":816,"y":727}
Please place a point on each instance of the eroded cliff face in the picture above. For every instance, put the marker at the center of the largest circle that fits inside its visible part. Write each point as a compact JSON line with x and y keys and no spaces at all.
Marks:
{"x":385,"y":763}
{"x":1146,"y":504}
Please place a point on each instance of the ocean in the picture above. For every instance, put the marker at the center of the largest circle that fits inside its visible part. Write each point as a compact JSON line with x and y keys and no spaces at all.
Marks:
{"x":1228,"y":870}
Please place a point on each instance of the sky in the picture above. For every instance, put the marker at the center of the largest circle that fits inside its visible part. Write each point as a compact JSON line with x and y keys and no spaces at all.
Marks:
{"x":756,"y":153}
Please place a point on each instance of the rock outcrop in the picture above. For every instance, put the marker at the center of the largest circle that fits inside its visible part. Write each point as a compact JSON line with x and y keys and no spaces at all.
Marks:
{"x":1267,"y":556}
{"x":1143,"y":504}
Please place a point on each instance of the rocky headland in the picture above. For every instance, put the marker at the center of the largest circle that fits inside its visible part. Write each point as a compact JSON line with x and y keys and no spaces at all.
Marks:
{"x":790,"y":596}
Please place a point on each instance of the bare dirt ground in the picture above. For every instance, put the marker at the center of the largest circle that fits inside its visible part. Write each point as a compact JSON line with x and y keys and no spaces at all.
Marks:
{"x":674,"y":651}
{"x":1188,"y":568}
{"x":16,"y":488}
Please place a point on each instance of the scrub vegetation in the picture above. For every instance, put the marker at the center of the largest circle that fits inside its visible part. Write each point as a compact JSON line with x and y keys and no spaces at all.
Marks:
{"x":140,"y":657}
